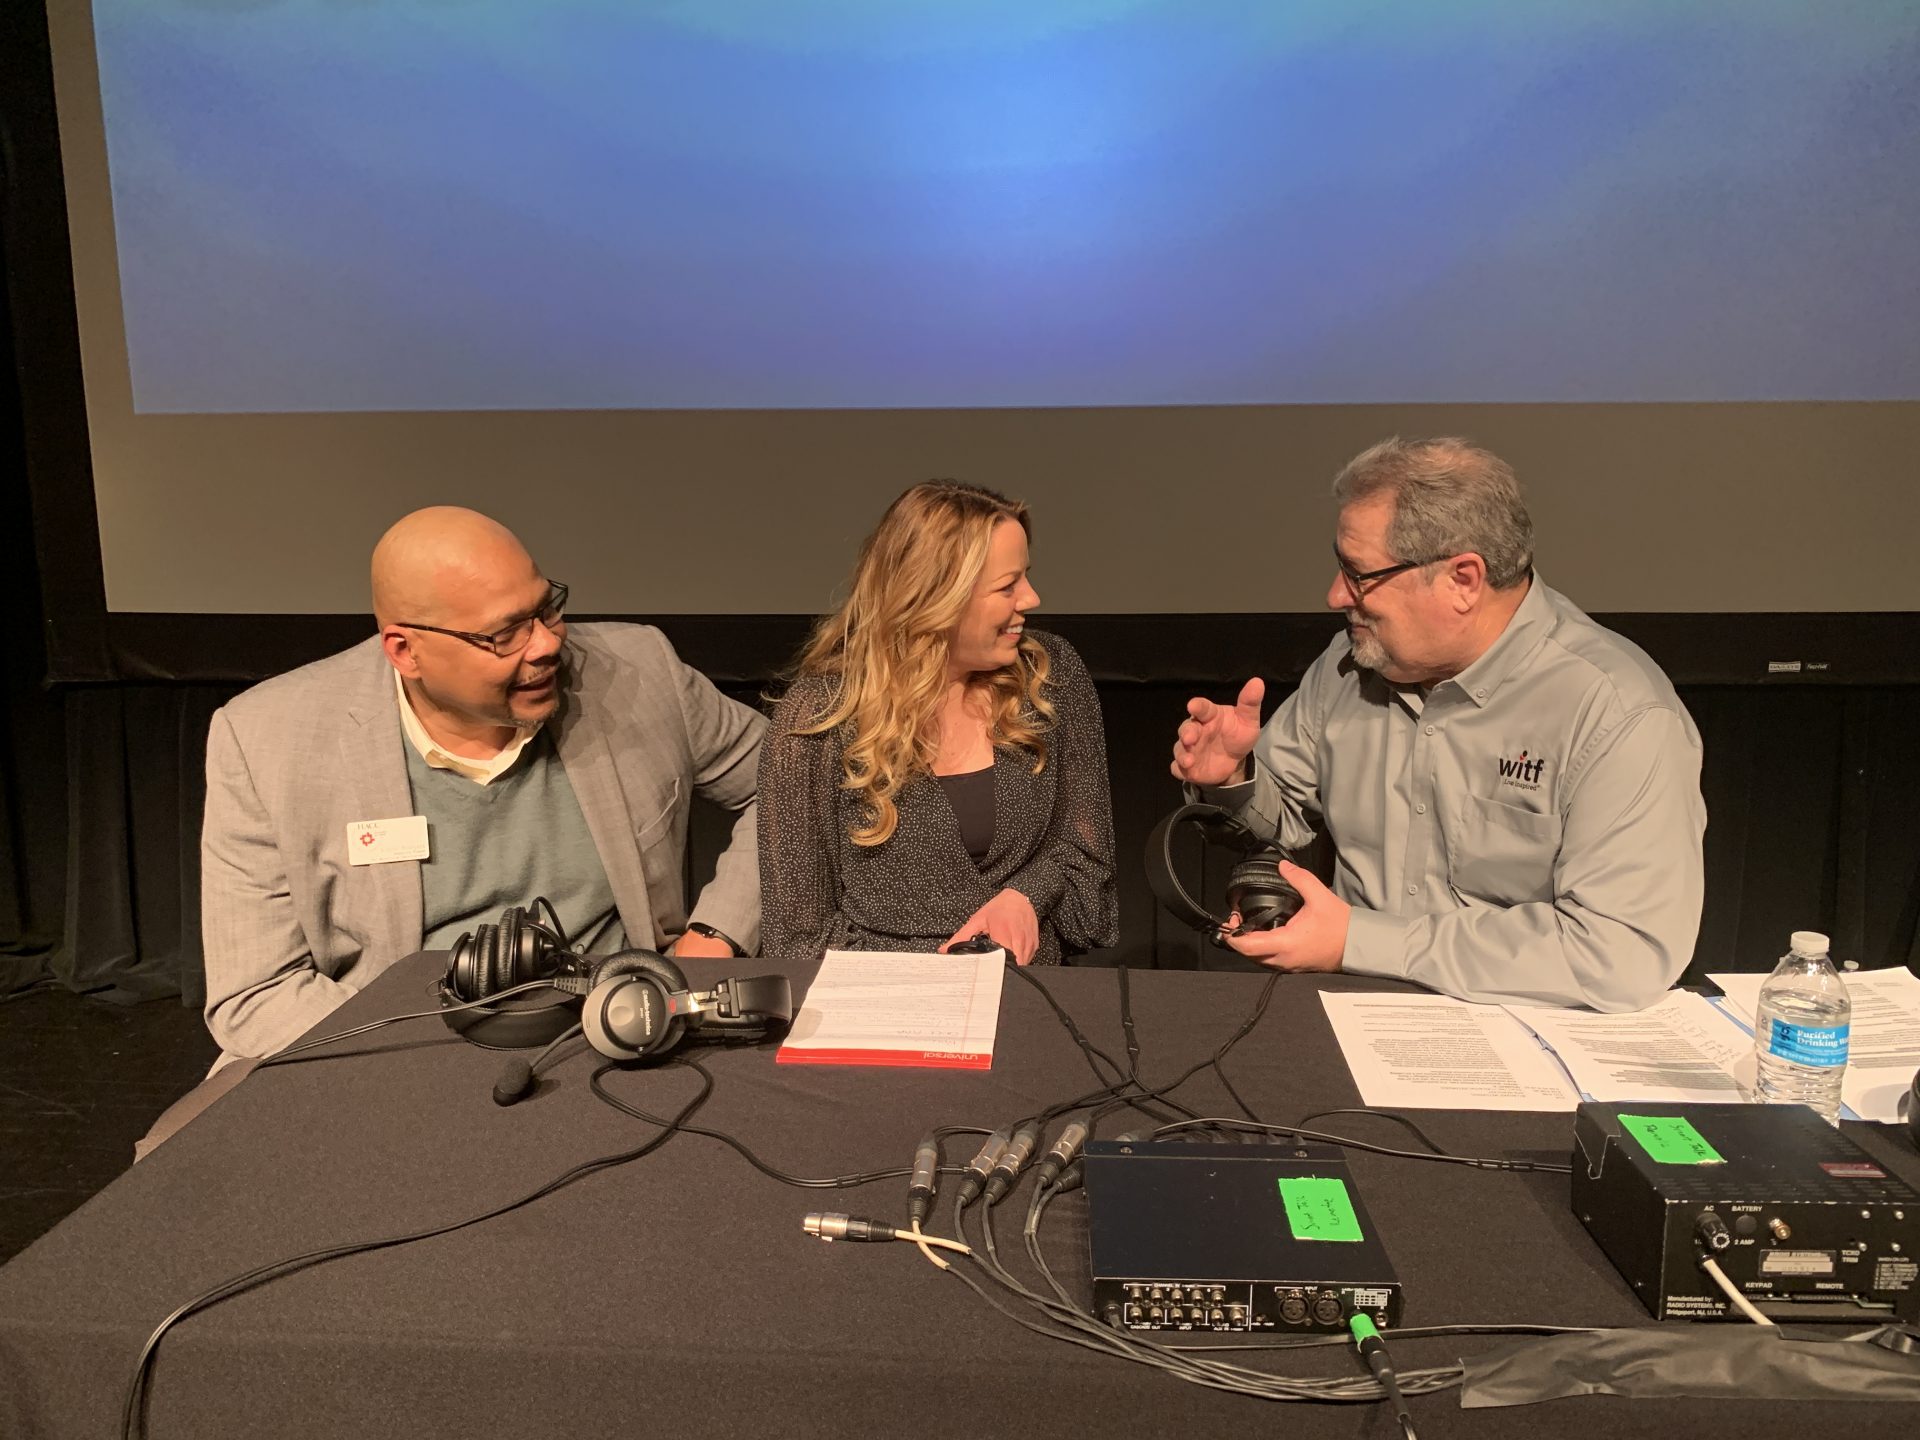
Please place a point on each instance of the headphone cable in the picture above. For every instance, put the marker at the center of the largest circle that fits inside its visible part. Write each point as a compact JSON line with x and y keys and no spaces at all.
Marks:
{"x":281,"y":1056}
{"x":136,"y":1392}
{"x":802,"y":1182}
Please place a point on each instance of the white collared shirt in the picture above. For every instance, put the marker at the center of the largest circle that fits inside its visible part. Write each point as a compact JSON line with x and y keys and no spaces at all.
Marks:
{"x":481,"y":772}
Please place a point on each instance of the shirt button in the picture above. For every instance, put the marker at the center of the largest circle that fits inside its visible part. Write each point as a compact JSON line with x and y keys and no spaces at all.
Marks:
{"x":1419,"y":809}
{"x":1429,"y":729}
{"x":1480,"y":694}
{"x":1413,"y":889}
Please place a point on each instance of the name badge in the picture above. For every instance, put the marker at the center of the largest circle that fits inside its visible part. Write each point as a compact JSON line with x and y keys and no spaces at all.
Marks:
{"x":380,"y":842}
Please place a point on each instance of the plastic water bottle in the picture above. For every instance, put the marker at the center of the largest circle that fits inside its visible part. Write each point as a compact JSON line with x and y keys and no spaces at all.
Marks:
{"x":1800,"y":1032}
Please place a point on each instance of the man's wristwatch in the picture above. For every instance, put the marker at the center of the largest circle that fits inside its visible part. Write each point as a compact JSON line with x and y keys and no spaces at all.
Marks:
{"x":700,"y":927}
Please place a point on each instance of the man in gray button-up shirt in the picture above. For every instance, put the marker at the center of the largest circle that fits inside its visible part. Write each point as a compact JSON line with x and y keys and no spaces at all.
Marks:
{"x":1513,"y":791}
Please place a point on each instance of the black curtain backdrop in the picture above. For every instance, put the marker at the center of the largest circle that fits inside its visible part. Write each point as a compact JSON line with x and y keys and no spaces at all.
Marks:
{"x":1810,"y":798}
{"x":32,"y":749}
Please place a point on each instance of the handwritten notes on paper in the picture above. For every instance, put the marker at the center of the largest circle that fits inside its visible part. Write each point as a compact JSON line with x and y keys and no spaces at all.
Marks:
{"x":1319,"y":1208}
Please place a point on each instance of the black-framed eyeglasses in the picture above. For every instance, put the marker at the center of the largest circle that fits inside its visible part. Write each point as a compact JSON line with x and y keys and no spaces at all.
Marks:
{"x":509,"y":640}
{"x":1360,"y":581}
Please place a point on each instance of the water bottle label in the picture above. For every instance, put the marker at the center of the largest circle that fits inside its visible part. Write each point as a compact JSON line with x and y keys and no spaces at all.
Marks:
{"x":1821,"y":1045}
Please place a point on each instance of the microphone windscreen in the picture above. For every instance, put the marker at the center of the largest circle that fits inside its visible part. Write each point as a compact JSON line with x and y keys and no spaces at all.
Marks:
{"x":514,"y":1083}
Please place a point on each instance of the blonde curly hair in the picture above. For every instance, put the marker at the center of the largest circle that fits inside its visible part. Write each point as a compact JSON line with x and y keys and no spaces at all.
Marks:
{"x":884,"y":651}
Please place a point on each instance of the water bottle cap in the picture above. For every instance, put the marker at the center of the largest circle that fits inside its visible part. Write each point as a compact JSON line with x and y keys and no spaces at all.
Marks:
{"x":1810,"y":942}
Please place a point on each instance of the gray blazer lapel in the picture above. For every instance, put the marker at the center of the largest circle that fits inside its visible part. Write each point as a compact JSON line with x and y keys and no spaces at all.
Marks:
{"x":376,"y":769}
{"x":580,"y":739}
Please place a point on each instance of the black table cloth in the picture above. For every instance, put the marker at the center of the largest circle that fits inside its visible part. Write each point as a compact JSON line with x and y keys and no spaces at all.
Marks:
{"x":678,"y":1293}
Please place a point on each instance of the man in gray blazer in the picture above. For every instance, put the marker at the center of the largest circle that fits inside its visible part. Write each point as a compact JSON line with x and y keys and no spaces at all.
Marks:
{"x":543,"y":759}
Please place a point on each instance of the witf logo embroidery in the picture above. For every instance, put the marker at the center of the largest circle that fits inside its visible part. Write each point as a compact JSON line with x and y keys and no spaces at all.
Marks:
{"x":1523,"y":772}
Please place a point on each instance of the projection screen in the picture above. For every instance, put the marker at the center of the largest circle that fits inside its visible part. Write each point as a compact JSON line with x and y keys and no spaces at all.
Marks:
{"x":685,"y":292}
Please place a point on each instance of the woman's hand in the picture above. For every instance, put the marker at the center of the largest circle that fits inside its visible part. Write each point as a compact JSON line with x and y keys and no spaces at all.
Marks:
{"x":1009,"y":920}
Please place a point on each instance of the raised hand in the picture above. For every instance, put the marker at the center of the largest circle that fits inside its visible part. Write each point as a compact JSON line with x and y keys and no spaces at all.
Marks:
{"x":1215,"y":740}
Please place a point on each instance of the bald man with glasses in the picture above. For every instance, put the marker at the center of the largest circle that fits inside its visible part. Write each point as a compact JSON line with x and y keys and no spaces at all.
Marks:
{"x":543,"y":759}
{"x":1513,"y":791}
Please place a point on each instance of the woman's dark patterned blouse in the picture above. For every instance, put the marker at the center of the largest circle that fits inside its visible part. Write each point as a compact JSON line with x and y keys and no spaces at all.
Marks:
{"x":1052,"y":837}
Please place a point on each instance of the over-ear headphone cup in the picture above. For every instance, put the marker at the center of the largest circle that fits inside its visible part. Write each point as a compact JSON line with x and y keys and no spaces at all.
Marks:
{"x":507,"y":948}
{"x":515,"y":966}
{"x":640,"y":962}
{"x":617,"y":1019}
{"x":459,"y":964}
{"x":1262,"y":896}
{"x":468,"y":975}
{"x":487,"y":962}
{"x":486,"y":945}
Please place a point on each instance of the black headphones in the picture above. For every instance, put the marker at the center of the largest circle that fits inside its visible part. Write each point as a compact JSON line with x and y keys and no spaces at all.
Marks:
{"x":630,"y":1005}
{"x":517,"y":951}
{"x":1255,"y":887}
{"x":640,"y":1007}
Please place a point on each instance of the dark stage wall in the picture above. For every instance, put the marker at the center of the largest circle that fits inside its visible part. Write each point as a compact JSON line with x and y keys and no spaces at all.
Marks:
{"x":1810,"y":794}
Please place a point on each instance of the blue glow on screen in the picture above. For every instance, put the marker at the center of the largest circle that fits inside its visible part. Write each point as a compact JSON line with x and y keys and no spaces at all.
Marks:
{"x":330,"y":205}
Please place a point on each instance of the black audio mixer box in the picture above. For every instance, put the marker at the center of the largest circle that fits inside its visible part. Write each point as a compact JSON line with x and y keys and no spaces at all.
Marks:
{"x":1804,"y":1222}
{"x":1194,"y":1236}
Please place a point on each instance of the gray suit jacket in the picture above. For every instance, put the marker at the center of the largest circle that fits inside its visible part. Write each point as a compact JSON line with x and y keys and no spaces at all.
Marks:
{"x":291,"y":929}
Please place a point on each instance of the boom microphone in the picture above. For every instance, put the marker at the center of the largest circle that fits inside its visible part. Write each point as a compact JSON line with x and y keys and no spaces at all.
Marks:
{"x":516,"y":1081}
{"x":514,"y":1084}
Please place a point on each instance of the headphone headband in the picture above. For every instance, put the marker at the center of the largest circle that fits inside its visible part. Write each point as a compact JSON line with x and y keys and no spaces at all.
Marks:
{"x":1255,"y":886}
{"x":1164,"y":880}
{"x":757,"y":999}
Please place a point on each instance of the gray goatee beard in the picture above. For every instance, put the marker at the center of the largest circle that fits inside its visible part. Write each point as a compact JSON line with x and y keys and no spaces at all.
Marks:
{"x":1367,"y":652}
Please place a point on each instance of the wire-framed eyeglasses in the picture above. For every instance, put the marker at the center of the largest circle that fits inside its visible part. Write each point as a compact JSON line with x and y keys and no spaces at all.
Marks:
{"x":510,"y":639}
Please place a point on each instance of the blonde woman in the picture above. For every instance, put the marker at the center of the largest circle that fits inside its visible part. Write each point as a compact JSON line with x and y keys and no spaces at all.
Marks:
{"x":936,"y":770}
